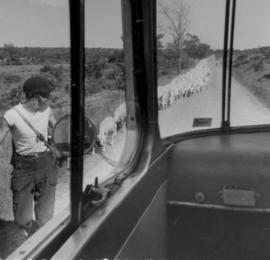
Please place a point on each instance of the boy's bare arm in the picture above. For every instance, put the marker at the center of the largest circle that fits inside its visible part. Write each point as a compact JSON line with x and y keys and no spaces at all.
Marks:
{"x":52,"y":120}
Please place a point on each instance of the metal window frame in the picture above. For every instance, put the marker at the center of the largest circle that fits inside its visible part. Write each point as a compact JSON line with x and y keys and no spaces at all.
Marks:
{"x":77,"y":108}
{"x":227,"y":63}
{"x":139,"y":31}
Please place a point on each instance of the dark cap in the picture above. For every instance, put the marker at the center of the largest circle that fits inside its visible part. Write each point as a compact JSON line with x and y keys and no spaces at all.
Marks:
{"x":37,"y":85}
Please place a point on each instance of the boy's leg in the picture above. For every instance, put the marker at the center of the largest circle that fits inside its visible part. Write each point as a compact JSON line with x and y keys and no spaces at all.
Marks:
{"x":22,"y":202}
{"x":46,"y":179}
{"x":44,"y":203}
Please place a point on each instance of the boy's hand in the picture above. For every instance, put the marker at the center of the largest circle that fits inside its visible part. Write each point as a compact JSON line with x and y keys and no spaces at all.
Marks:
{"x":61,"y":161}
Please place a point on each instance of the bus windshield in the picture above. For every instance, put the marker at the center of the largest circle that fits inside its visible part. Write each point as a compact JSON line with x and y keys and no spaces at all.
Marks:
{"x":190,"y":65}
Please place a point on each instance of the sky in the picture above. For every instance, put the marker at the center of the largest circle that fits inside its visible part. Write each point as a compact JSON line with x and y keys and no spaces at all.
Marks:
{"x":45,"y":23}
{"x":206,"y":19}
{"x":34,"y":23}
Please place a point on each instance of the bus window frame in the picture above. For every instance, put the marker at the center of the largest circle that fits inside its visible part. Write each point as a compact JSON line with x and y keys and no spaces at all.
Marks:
{"x":139,"y":36}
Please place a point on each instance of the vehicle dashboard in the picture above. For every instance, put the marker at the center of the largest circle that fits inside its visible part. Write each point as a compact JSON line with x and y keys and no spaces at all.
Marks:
{"x":226,"y":171}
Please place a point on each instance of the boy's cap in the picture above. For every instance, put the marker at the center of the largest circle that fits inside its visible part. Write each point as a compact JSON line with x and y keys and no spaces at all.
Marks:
{"x":37,"y":85}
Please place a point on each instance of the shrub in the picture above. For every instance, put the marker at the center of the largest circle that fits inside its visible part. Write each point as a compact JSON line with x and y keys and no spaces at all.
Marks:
{"x":55,"y":71}
{"x":93,"y":85}
{"x":109,"y":74}
{"x":186,"y":61}
{"x":241,"y":57}
{"x":11,"y":97}
{"x":258,"y":66}
{"x":116,"y":56}
{"x":11,"y":78}
{"x":110,"y":84}
{"x":266,"y":76}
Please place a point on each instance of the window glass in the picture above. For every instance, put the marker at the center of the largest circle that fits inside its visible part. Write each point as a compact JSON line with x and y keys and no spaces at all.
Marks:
{"x":34,"y":42}
{"x":190,"y":43}
{"x":105,"y":86}
{"x":250,"y":101}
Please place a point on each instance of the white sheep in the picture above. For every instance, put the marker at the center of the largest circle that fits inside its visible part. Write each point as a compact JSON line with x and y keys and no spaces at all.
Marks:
{"x":165,"y":97}
{"x":107,"y":132}
{"x":120,"y":115}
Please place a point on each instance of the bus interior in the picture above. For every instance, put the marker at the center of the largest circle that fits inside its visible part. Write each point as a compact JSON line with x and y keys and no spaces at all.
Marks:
{"x":198,"y":194}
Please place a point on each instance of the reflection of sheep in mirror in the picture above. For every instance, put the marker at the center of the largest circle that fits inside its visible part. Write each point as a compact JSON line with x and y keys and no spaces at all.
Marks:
{"x":96,"y":146}
{"x":120,"y":115}
{"x":107,"y":132}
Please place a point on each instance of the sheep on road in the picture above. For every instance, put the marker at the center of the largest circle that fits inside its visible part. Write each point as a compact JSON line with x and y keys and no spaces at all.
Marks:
{"x":120,"y":115}
{"x":107,"y":132}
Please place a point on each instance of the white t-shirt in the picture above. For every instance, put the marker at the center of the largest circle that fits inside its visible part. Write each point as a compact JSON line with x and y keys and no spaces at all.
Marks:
{"x":25,"y":139}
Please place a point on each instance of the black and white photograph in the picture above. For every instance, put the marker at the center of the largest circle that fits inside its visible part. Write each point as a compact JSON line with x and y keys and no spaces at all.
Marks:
{"x":134,"y":129}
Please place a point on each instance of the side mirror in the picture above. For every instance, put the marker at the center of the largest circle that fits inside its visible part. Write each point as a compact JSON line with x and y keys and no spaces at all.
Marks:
{"x":61,"y":135}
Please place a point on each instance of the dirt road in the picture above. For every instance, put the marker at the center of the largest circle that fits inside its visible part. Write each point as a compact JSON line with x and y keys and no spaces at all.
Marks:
{"x":246,"y":109}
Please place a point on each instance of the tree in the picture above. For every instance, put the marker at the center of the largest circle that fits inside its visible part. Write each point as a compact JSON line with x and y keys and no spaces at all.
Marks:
{"x":175,"y":24}
{"x":11,"y":53}
{"x":116,"y":56}
{"x":95,"y":66}
{"x":158,"y":38}
{"x":194,"y":48}
{"x":55,"y":71}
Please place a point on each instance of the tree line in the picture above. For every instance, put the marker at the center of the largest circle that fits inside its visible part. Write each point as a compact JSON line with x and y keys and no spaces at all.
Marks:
{"x":177,"y":48}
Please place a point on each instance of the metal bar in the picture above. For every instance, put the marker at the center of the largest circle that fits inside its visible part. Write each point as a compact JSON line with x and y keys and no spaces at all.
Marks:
{"x":216,"y":131}
{"x":77,"y":107}
{"x":139,"y":60}
{"x":218,"y":207}
{"x":147,"y":79}
{"x":224,"y":73}
{"x":230,"y":63}
{"x":149,"y":29}
{"x":128,"y":60}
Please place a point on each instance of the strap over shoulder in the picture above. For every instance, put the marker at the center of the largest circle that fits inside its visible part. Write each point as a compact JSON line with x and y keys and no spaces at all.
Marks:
{"x":57,"y":155}
{"x":40,"y":136}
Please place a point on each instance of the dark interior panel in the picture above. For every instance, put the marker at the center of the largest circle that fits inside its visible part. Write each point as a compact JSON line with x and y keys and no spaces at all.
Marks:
{"x":218,"y":198}
{"x":127,"y":220}
{"x":199,"y":234}
{"x":149,"y":239}
{"x":231,"y":170}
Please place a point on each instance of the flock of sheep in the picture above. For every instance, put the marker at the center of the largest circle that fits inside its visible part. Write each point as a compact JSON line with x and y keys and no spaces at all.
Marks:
{"x":185,"y":85}
{"x":110,"y":125}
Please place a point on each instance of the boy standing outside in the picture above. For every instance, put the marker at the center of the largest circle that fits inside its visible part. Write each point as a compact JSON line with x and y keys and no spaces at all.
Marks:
{"x":34,"y":175}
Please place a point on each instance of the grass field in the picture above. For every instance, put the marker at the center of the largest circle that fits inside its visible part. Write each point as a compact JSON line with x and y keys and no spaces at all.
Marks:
{"x":252,"y":69}
{"x":5,"y":170}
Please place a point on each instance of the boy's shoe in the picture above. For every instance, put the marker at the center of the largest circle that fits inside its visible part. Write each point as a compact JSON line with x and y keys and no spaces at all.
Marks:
{"x":29,"y":231}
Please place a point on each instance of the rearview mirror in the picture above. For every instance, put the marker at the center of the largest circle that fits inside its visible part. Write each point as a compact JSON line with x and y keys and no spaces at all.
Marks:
{"x":61,"y":135}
